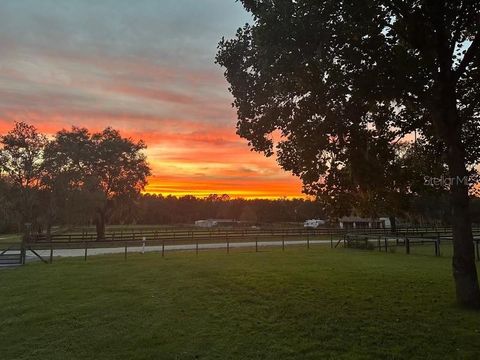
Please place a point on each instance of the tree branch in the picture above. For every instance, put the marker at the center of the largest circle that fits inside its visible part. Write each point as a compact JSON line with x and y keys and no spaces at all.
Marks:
{"x":472,"y":51}
{"x":444,"y":50}
{"x":457,"y":26}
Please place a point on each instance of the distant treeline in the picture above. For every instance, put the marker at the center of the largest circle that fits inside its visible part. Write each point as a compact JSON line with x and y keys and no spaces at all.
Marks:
{"x":148,"y":209}
{"x":152,"y":209}
{"x":158,"y":209}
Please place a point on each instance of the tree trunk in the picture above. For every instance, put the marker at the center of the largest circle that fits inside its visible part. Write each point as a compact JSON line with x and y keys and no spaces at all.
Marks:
{"x":464,"y":267}
{"x":100,"y":224}
{"x":393,"y":224}
{"x":49,"y":222}
{"x":463,"y":262}
{"x":49,"y":231}
{"x":449,"y":126}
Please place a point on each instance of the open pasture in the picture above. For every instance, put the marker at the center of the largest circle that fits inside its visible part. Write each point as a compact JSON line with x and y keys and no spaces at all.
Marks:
{"x":297,"y":304}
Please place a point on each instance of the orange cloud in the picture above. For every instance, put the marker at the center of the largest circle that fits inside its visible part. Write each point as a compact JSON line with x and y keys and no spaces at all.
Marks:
{"x":200,"y":162}
{"x":183,"y":115}
{"x":201,"y":187}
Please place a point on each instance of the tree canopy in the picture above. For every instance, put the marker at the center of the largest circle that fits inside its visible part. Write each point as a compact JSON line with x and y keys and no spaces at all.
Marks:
{"x":21,"y":161}
{"x":75,"y":172}
{"x":337,"y":83}
{"x":331,"y":87}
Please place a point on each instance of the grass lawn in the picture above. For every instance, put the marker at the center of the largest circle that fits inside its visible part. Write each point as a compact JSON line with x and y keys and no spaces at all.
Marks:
{"x":8,"y":239}
{"x":297,"y":304}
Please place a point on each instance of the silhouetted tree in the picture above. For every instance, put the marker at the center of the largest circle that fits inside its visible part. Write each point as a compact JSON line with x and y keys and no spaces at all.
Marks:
{"x":67,"y":169}
{"x":9,"y":216}
{"x":21,"y":161}
{"x":119,"y":170}
{"x":338,"y":82}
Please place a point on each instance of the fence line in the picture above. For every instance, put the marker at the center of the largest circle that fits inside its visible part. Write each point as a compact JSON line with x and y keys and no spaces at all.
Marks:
{"x":381,"y":239}
{"x":231,"y":233}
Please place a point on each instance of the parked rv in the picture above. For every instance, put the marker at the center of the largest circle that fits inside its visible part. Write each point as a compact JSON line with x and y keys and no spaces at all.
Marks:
{"x":313,"y":223}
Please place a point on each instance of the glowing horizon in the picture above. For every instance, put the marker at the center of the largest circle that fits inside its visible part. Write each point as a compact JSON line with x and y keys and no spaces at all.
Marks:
{"x":146,"y":69}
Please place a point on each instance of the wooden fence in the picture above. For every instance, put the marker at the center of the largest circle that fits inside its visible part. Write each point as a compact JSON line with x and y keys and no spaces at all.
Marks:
{"x":226,"y":239}
{"x":407,"y":241}
{"x":228,"y":233}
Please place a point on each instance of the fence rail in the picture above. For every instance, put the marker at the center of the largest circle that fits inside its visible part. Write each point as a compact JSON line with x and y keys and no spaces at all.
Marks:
{"x":232,"y":233}
{"x":85,"y":244}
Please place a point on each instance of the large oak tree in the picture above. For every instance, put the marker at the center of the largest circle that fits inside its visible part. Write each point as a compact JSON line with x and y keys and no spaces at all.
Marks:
{"x":331,"y":85}
{"x":120,"y":171}
{"x":97,"y":172}
{"x":67,"y":166}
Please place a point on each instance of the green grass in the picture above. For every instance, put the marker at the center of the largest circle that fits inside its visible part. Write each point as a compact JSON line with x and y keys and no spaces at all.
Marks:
{"x":10,"y":239}
{"x":297,"y":304}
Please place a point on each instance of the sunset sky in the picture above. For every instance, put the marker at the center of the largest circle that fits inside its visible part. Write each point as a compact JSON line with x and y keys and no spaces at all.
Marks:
{"x":145,"y":68}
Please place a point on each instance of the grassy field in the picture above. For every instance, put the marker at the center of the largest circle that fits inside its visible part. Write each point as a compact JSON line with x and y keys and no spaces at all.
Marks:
{"x":10,"y":238}
{"x":297,"y":304}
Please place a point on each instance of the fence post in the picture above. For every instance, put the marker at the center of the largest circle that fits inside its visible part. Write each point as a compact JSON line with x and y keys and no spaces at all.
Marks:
{"x":51,"y":252}
{"x":331,"y":240}
{"x":126,"y":246}
{"x":23,"y":253}
{"x":86,"y":247}
{"x":386,"y":244}
{"x":407,"y":245}
{"x":379,"y":243}
{"x":196,"y":246}
{"x":143,"y":245}
{"x":163,"y":247}
{"x":438,"y":245}
{"x":256,"y":243}
{"x":308,"y":240}
{"x":283,"y":242}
